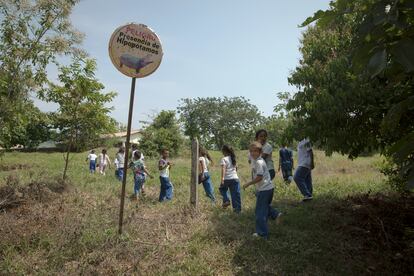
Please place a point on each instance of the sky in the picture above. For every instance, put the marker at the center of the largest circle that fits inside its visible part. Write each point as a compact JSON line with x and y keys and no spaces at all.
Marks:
{"x":211,"y":49}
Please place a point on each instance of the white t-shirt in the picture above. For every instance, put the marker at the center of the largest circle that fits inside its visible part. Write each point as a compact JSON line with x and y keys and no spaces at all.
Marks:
{"x":304,"y":157}
{"x":121,"y":159}
{"x":204,"y":162}
{"x":103,"y":160}
{"x":142,"y":155}
{"x":92,"y":156}
{"x":259,"y":168}
{"x":230,"y":171}
{"x":267,"y":148}
{"x":166,"y":171}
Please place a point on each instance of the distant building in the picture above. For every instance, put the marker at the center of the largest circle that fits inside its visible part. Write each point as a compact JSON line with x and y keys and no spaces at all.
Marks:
{"x":47,"y":145}
{"x":120,"y":137}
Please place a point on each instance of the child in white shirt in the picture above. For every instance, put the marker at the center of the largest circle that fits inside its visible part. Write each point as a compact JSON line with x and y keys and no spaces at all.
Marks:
{"x":230,"y":179}
{"x":264,"y":191}
{"x":92,"y":161}
{"x":104,"y":161}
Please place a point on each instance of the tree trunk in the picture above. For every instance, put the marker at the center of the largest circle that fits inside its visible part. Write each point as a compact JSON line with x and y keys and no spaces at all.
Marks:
{"x":69,"y":147}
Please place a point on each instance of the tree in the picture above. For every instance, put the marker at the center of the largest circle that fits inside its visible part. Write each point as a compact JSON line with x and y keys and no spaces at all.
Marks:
{"x":32,"y":34}
{"x":162,"y":132}
{"x":82,"y":115}
{"x":219,"y":121}
{"x":37,"y":127}
{"x":355,"y":80}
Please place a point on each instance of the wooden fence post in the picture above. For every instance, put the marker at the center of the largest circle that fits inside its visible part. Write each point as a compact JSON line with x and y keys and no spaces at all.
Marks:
{"x":194,"y":173}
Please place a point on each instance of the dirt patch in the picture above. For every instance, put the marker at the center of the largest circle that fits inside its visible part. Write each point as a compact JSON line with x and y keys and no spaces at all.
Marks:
{"x":383,"y":227}
{"x":9,"y":198}
{"x":13,"y":167}
{"x":12,"y":194}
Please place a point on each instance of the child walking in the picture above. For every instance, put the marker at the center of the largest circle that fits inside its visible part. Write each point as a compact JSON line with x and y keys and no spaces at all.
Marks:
{"x":264,"y":191}
{"x":164,"y":166}
{"x":204,"y":161}
{"x":286,"y":163}
{"x":229,"y":179}
{"x":104,"y":161}
{"x":139,"y":170}
{"x":261,"y":137}
{"x":120,"y":157}
{"x":92,"y":161}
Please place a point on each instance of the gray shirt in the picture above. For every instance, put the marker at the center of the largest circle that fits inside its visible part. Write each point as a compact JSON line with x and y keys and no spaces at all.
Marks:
{"x":121,"y":159}
{"x":259,"y":168}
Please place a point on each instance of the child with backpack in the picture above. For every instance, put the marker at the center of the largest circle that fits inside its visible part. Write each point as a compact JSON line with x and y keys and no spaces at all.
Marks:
{"x":139,"y":170}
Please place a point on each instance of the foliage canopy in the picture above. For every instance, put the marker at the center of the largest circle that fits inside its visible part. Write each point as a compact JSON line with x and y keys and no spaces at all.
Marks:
{"x":355,"y":80}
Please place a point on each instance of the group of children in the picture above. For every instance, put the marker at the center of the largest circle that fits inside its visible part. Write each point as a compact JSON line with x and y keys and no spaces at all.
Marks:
{"x":139,"y":171}
{"x":262,"y":169}
{"x":102,"y":161}
{"x":262,"y":173}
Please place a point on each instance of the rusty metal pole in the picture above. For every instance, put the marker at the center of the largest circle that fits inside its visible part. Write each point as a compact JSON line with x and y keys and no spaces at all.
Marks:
{"x":131,"y":107}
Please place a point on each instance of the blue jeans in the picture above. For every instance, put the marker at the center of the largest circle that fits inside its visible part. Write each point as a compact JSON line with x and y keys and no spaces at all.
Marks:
{"x":92,"y":166}
{"x":120,"y":174}
{"x":264,"y":211}
{"x":208,"y":187}
{"x":234,"y":186}
{"x":272,"y":174}
{"x":166,"y":189}
{"x":138,"y":182}
{"x":303,"y":179}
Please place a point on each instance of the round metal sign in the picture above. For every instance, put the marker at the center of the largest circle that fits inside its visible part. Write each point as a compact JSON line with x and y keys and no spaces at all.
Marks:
{"x":135,"y":50}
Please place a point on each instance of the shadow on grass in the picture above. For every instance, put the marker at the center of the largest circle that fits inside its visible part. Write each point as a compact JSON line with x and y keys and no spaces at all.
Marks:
{"x":314,"y":238}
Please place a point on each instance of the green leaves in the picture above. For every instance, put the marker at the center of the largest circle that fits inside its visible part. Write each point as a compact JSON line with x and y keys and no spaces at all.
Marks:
{"x":163,"y":132}
{"x":356,"y":80}
{"x":313,"y":18}
{"x":82,"y":115}
{"x":32,"y":33}
{"x":377,"y":63}
{"x":216,"y":121}
{"x":403,"y":52}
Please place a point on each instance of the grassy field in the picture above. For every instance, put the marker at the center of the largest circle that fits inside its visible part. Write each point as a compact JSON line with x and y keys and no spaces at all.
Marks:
{"x":75,"y":231}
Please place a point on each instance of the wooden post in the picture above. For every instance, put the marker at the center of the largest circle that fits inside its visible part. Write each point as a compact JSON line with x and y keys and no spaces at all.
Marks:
{"x":194,"y":173}
{"x":131,"y":106}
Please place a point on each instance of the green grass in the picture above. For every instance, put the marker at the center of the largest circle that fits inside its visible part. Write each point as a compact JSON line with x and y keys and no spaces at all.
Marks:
{"x":76,"y":232}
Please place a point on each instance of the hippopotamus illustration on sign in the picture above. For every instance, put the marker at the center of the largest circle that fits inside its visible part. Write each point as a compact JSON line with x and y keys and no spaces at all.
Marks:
{"x":134,"y":62}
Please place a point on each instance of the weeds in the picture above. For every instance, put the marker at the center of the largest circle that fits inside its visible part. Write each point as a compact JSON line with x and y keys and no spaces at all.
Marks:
{"x":70,"y":228}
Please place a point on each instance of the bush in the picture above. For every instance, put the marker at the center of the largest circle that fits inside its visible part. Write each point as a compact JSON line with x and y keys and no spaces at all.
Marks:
{"x":163,"y":132}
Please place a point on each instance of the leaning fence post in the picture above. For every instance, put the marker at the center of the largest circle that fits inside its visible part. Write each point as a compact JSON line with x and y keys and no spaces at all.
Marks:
{"x":194,"y":173}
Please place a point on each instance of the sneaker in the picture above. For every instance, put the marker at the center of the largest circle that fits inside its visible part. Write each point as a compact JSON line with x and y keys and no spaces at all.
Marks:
{"x":307,"y":198}
{"x":279,"y":218}
{"x":255,"y":235}
{"x":226,"y":204}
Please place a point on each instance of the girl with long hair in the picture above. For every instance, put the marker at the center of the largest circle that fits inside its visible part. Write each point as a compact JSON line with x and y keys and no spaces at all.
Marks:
{"x":229,"y":179}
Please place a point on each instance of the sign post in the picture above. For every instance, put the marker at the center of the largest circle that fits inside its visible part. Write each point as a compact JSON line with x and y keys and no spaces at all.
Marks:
{"x":136,"y":51}
{"x":194,"y":173}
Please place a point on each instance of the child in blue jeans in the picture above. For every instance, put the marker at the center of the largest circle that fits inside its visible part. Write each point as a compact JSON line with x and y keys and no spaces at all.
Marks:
{"x":164,"y":165}
{"x":139,"y":170}
{"x":229,"y":179}
{"x":204,"y":161}
{"x":264,"y":191}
